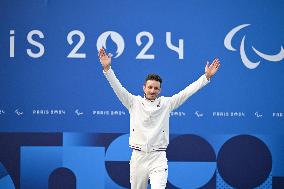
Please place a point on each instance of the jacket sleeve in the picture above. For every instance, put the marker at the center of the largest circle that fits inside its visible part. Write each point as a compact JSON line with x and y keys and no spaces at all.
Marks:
{"x":179,"y":98}
{"x":123,"y":95}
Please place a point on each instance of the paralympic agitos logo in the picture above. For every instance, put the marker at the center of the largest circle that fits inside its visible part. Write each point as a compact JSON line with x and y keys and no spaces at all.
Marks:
{"x":248,"y":63}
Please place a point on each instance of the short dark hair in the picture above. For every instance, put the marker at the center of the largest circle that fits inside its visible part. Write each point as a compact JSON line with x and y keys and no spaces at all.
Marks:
{"x":153,"y":77}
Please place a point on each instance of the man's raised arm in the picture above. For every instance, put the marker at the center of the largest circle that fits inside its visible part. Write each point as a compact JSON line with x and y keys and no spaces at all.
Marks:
{"x":124,"y":96}
{"x":179,"y":98}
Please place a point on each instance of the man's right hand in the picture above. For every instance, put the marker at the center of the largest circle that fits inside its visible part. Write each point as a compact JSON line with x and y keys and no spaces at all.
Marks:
{"x":105,"y":59}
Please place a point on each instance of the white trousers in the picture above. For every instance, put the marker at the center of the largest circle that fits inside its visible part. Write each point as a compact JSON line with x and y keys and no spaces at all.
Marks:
{"x":145,"y":166}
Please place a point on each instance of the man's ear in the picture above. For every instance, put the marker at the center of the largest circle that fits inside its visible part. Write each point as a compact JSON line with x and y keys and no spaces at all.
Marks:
{"x":144,"y":88}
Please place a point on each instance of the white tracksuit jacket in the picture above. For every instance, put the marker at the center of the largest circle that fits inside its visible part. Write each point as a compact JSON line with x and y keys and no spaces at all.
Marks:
{"x":149,"y":120}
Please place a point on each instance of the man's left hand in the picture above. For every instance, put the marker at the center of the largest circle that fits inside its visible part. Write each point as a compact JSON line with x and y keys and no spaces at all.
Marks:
{"x":211,"y":69}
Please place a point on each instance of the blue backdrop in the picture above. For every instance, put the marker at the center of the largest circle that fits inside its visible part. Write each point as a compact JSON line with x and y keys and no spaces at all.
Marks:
{"x":61,"y":124}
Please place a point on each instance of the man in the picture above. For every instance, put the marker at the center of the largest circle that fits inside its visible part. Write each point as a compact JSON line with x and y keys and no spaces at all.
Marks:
{"x":149,"y":123}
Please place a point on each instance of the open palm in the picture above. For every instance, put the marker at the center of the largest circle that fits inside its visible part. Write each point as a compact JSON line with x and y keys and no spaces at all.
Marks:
{"x":105,"y":59}
{"x":211,"y":69}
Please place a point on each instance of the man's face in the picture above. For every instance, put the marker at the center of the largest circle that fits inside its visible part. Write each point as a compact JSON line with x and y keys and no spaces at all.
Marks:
{"x":152,"y":89}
